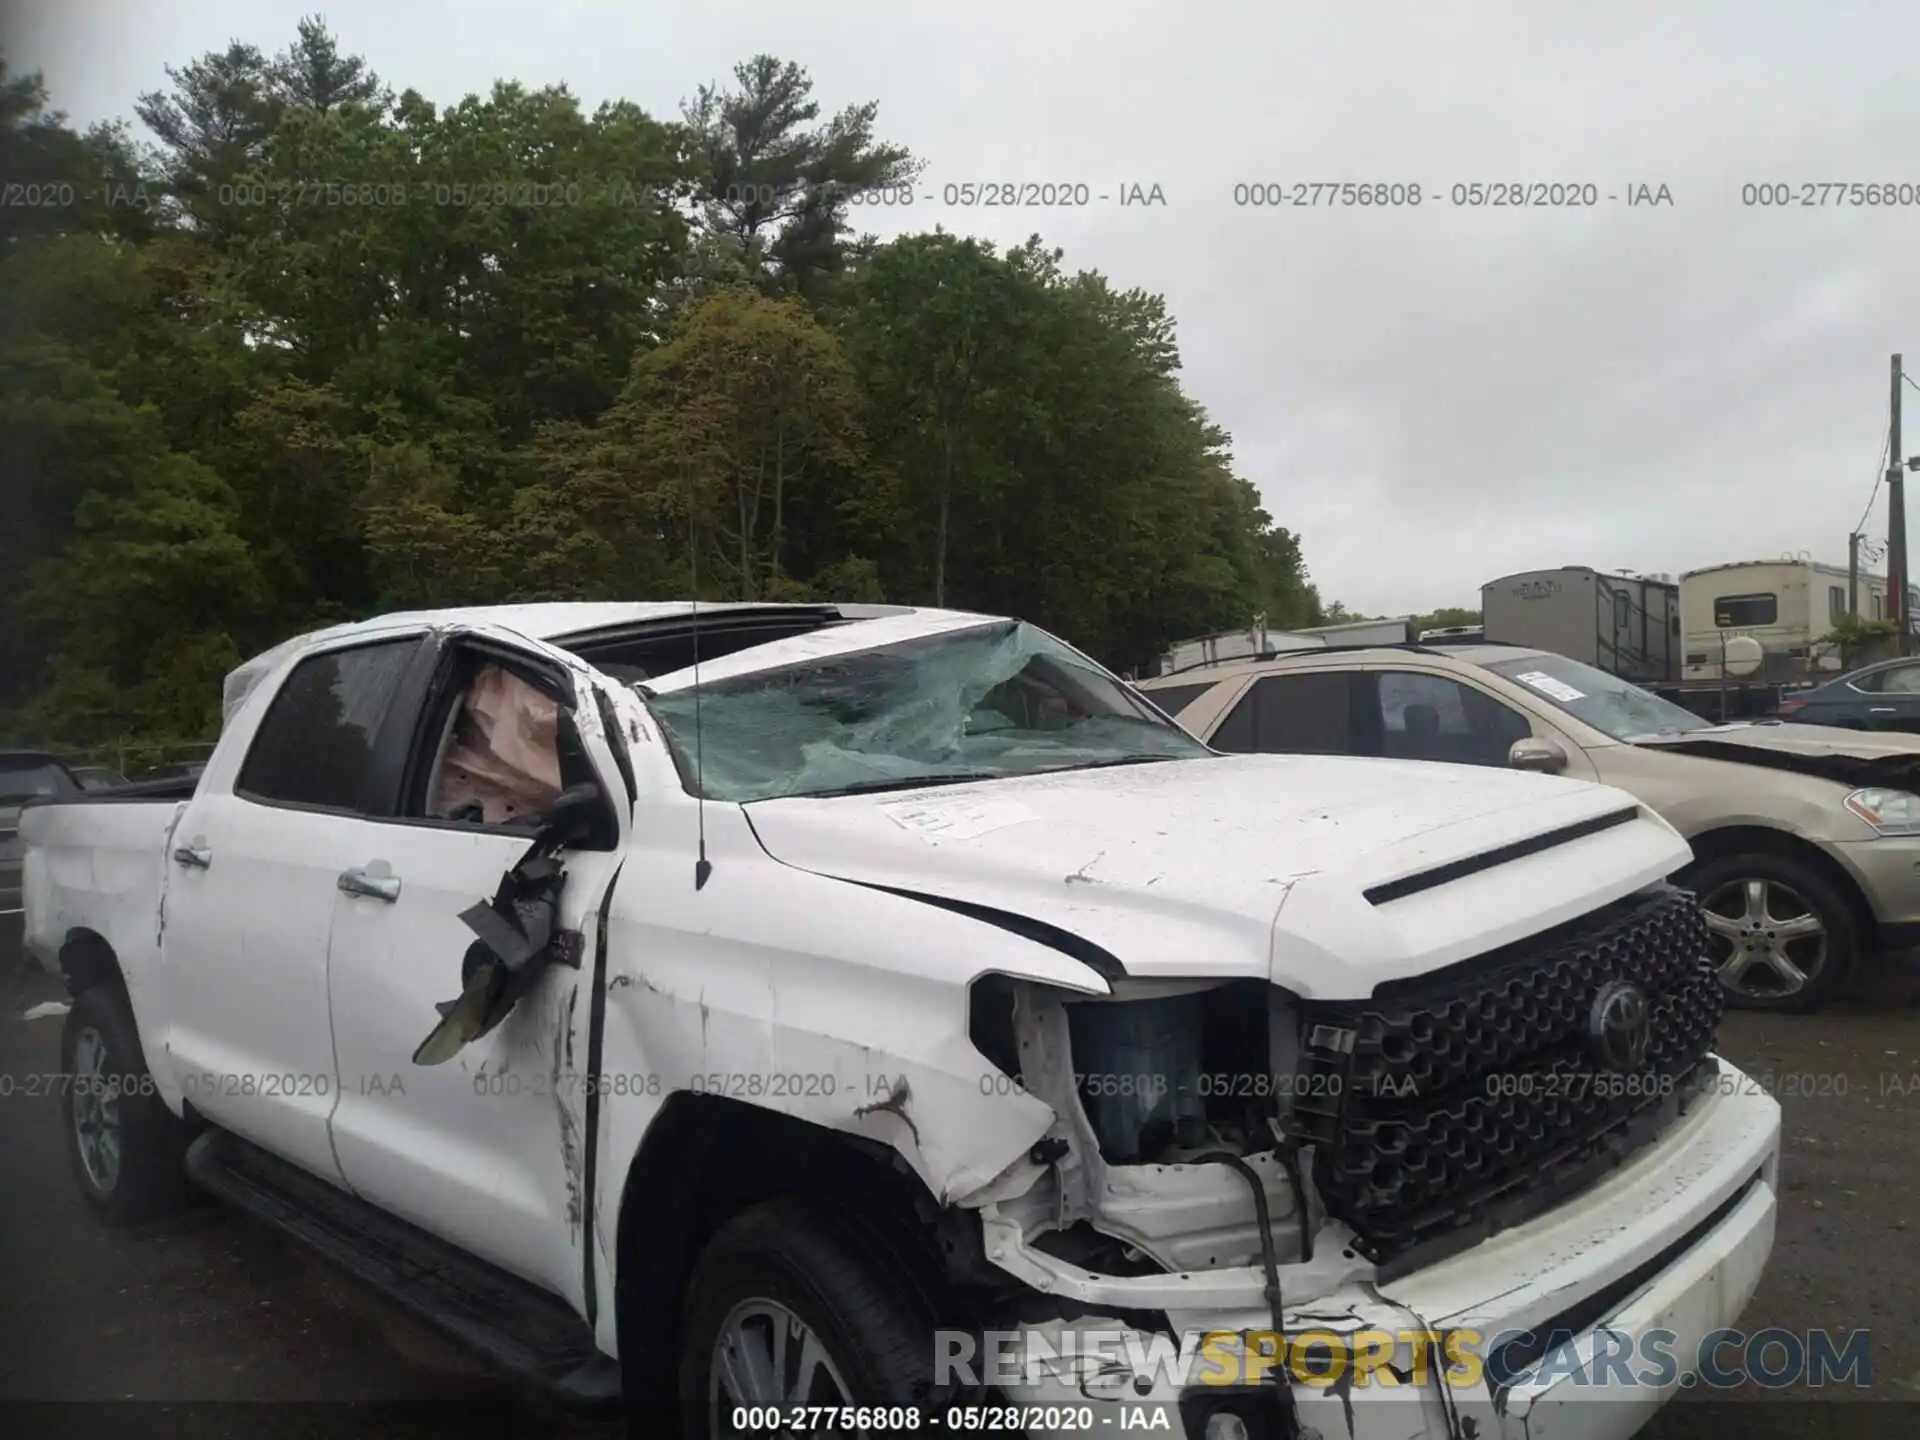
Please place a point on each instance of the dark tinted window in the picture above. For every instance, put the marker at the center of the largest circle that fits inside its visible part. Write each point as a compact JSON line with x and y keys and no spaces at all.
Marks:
{"x":316,"y":745}
{"x":1234,"y":733}
{"x":1732,"y":611}
{"x":1431,"y":717}
{"x":1293,"y":715}
{"x":28,"y":777}
{"x":1175,"y":698}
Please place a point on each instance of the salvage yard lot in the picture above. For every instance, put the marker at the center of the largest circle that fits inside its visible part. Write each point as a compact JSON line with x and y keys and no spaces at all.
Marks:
{"x":199,"y":1312}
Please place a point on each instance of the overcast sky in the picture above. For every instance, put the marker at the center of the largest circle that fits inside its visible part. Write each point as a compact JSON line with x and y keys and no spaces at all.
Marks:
{"x":1431,"y":397}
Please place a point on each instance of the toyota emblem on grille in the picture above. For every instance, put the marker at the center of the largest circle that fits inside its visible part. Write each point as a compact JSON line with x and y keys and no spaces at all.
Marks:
{"x":1619,"y":1027}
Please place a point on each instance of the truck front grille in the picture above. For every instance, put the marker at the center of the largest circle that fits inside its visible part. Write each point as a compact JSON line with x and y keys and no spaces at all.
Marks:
{"x":1453,"y":1105}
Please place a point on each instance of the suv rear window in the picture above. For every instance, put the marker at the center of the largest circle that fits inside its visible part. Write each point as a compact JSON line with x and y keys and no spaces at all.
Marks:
{"x":315,"y":746}
{"x":1175,"y":698}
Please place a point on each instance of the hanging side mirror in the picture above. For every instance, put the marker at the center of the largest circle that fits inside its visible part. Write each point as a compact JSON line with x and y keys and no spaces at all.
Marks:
{"x":573,"y":813}
{"x":1533,"y":753}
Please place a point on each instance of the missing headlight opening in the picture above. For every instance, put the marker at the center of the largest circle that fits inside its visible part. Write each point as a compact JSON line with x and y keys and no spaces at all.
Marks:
{"x":1152,"y":1086}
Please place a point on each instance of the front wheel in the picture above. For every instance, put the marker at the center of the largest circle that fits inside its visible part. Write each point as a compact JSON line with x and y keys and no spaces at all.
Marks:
{"x":793,"y":1304}
{"x":128,"y":1149}
{"x":1782,"y":935}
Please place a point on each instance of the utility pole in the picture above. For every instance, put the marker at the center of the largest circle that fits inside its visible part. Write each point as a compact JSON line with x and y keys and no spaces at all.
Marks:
{"x":1853,"y":573}
{"x":1897,"y":527}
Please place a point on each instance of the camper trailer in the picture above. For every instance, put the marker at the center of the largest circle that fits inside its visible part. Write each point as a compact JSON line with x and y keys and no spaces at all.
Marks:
{"x":1398,"y":631}
{"x":1789,"y":605}
{"x":1227,"y":645}
{"x":1627,"y":625}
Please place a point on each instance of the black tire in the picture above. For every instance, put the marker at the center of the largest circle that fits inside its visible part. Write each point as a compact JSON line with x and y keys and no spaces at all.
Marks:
{"x":1717,"y":882}
{"x":838,"y":1274}
{"x":149,"y":1179}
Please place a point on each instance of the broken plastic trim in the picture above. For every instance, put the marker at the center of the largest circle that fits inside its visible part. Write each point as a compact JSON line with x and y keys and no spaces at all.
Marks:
{"x":518,"y":937}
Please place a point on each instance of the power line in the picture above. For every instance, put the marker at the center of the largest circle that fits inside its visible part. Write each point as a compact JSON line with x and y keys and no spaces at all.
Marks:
{"x":1879,"y":474}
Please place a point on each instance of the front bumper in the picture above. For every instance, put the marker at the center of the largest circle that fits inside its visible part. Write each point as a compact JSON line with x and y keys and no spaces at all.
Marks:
{"x":1659,"y":1255}
{"x":1888,"y":873}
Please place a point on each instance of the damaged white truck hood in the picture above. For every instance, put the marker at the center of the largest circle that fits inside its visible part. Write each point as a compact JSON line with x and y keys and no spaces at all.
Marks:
{"x":1248,"y":866}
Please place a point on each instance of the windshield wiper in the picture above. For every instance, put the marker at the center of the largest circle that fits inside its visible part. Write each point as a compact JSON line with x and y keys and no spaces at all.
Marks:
{"x":899,"y":782}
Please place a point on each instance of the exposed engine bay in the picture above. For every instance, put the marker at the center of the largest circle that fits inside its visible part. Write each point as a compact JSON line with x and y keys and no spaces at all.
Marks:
{"x":1416,"y":1122}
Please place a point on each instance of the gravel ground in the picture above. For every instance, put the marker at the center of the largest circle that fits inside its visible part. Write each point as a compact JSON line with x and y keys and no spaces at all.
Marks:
{"x":209,"y":1326}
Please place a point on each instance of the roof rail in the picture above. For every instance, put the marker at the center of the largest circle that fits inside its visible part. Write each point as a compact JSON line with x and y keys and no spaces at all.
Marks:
{"x":1411,"y":647}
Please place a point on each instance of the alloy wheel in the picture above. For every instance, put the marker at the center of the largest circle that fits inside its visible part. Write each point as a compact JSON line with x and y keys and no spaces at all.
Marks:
{"x":765,"y":1355}
{"x":96,"y":1111}
{"x":1768,"y":940}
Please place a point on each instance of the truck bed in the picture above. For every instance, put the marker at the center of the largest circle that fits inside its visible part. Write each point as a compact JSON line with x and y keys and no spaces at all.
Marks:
{"x":172,"y":788}
{"x":98,"y":862}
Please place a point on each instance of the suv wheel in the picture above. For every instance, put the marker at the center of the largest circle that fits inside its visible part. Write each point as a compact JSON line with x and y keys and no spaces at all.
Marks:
{"x":1781,"y":934}
{"x":794,"y":1303}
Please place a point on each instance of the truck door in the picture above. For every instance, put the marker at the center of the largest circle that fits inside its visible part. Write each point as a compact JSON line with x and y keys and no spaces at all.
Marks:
{"x":488,"y":1147}
{"x":249,"y":904}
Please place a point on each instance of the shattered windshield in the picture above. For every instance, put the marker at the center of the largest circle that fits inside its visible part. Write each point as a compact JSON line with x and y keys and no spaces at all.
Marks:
{"x":976,"y":704}
{"x":1615,"y":707}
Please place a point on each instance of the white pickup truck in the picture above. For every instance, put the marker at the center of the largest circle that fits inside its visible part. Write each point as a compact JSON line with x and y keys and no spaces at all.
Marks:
{"x":758,"y":1008}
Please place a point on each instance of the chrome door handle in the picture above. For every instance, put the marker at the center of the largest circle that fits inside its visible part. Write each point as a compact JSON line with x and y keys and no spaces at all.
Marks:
{"x":1881,"y":709}
{"x":195,"y":857}
{"x":374,"y":887}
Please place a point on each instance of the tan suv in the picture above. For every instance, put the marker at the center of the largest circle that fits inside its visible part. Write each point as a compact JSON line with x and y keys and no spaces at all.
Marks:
{"x":1806,"y":839}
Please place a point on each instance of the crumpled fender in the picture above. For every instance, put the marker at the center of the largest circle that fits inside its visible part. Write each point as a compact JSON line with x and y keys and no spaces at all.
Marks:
{"x":838,"y":1004}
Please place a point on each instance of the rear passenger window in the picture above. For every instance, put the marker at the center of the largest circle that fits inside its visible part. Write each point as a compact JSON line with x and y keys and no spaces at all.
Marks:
{"x":1293,"y":715}
{"x":315,"y":746}
{"x":1175,"y":698}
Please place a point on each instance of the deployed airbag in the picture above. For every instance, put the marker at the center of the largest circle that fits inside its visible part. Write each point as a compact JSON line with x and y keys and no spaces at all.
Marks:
{"x":504,"y":761}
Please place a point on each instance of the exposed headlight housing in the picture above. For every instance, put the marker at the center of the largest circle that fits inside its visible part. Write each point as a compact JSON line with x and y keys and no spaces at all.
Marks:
{"x":1891,"y":812}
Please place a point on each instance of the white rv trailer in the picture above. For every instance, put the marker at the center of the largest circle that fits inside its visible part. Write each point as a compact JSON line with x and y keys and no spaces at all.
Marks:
{"x":1395,"y":631}
{"x":1789,"y":605}
{"x":1228,"y":645}
{"x":1625,"y":624}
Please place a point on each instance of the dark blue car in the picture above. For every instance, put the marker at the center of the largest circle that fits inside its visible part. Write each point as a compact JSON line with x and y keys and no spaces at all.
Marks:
{"x":1885,"y":696}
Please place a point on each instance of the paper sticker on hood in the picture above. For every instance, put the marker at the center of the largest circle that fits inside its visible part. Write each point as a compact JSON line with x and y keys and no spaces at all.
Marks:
{"x":957,"y":819}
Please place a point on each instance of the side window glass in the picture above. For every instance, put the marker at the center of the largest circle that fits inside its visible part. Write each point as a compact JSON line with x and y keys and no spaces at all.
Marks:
{"x":1306,"y":714}
{"x":1903,"y":680}
{"x":1234,"y":733}
{"x":1175,"y":698}
{"x":315,"y":746}
{"x":1431,"y":717}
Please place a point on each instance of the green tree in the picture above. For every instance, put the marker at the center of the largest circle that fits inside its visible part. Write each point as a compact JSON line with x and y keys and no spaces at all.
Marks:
{"x":368,"y":352}
{"x":312,"y":74}
{"x":741,"y":425}
{"x":939,"y":324}
{"x":778,"y":183}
